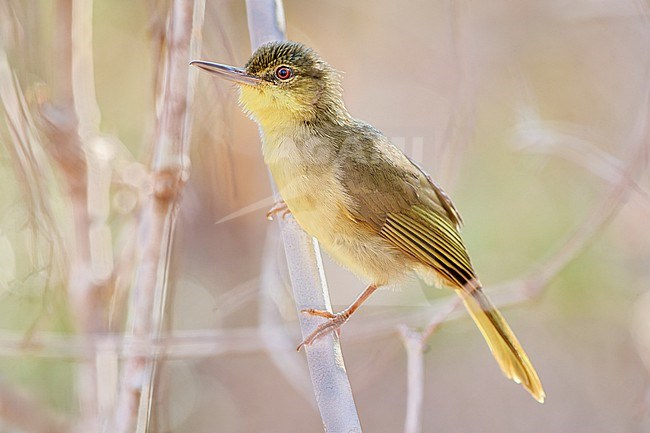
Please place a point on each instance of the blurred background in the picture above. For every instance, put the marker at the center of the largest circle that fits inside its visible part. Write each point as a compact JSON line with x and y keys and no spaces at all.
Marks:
{"x":533,"y":115}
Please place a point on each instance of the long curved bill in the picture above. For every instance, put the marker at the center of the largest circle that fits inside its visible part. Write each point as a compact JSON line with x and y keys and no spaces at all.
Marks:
{"x":231,"y":73}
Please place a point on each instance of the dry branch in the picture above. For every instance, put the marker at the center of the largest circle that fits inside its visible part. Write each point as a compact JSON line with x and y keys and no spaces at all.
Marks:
{"x":71,"y":123}
{"x":532,"y":284}
{"x":324,"y":357}
{"x":168,"y":177}
{"x":415,"y":344}
{"x":272,"y":297}
{"x":32,"y":171}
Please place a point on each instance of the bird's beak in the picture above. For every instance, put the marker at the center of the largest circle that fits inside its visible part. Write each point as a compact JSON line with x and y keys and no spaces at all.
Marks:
{"x":238,"y":75}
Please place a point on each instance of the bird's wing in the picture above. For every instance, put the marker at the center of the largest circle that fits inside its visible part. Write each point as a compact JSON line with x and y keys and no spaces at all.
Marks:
{"x":430,"y":239}
{"x":397,"y":200}
{"x":402,"y":204}
{"x":445,"y":201}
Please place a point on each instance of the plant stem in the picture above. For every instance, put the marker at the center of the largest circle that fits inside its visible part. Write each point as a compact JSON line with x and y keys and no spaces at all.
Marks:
{"x":324,"y":357}
{"x":169,"y":174}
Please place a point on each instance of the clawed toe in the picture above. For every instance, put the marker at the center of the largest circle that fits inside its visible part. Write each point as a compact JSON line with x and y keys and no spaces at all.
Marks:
{"x":334,"y":323}
{"x":334,"y":320}
{"x":278,"y":208}
{"x":320,"y":313}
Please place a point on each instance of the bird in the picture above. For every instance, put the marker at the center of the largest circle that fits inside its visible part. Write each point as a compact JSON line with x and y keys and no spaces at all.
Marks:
{"x":373,"y":209}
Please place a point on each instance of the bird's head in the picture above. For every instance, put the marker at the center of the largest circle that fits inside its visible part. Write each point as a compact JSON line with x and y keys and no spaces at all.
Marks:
{"x":284,"y":82}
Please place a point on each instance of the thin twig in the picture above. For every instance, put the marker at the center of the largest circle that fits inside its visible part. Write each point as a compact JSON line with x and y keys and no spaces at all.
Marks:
{"x":169,"y":174}
{"x":32,"y":170}
{"x":17,"y":407}
{"x":88,"y":285}
{"x":624,"y":183}
{"x":415,"y":344}
{"x":71,"y":123}
{"x":324,"y":357}
{"x":460,"y":126}
{"x":454,"y":141}
{"x":600,"y":214}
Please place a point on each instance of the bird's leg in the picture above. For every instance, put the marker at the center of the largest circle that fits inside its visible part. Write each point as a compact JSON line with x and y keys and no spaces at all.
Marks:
{"x":279,"y":207}
{"x":334,"y":320}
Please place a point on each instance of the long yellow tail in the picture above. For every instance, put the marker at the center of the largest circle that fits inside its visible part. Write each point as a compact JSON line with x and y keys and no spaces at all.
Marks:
{"x":502,"y":341}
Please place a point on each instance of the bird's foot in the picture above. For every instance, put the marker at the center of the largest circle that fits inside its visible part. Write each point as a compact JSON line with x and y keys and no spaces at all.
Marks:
{"x":333,"y":324}
{"x":334,"y":320}
{"x":278,"y":208}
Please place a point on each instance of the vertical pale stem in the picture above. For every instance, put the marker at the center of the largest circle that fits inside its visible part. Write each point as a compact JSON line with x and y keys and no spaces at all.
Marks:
{"x":415,"y":381}
{"x":97,"y":265}
{"x":274,"y":335}
{"x":170,"y":171}
{"x":72,"y":124}
{"x":415,"y":343}
{"x":329,"y":378}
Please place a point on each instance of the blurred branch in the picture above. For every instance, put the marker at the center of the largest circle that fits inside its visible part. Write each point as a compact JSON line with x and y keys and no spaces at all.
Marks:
{"x":248,"y":340}
{"x":532,"y":284}
{"x":65,"y":148}
{"x":453,"y":144}
{"x":169,"y":174}
{"x":26,"y":153}
{"x":180,"y":345}
{"x":570,"y":142}
{"x":415,"y":344}
{"x":598,"y":216}
{"x":17,"y":408}
{"x":324,"y":357}
{"x":86,"y":286}
{"x":200,"y":343}
{"x":156,"y":29}
{"x":71,"y":123}
{"x":461,"y":123}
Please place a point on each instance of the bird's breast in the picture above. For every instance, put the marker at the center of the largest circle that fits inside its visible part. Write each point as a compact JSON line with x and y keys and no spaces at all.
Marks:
{"x":315,"y":197}
{"x":320,"y":203}
{"x":308,"y":179}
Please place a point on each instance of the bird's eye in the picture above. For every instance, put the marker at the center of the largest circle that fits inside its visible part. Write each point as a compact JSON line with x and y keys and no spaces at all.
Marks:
{"x":283,"y":73}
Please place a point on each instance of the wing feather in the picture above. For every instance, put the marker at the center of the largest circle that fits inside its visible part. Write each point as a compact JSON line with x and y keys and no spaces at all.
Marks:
{"x":396,"y":199}
{"x":431,"y":245}
{"x":451,"y":245}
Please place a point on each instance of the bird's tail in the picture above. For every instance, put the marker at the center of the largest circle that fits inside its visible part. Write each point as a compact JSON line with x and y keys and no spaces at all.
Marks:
{"x":502,"y":341}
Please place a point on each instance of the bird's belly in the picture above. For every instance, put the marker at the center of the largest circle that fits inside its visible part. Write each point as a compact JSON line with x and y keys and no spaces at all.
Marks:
{"x":319,"y":204}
